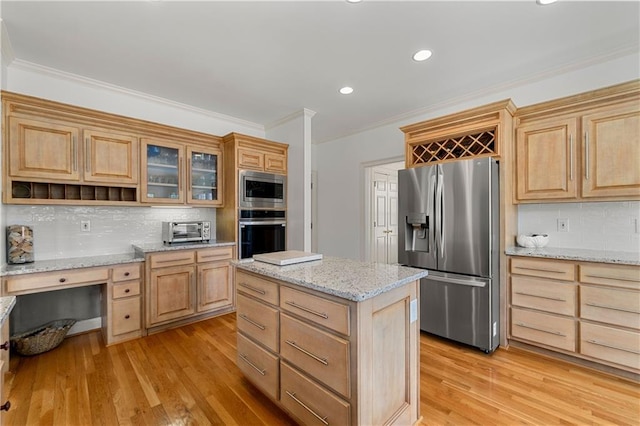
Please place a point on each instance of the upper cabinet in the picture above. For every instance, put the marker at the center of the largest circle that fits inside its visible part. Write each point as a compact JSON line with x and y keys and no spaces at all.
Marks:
{"x":162,"y":172}
{"x":584,"y":147}
{"x":203,"y":179}
{"x":110,"y":157}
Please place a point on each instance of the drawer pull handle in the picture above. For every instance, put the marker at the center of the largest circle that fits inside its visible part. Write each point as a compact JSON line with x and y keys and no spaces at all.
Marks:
{"x":252,"y":322}
{"x":316,"y":415}
{"x":5,"y":406}
{"x":311,"y":311}
{"x":5,"y":346}
{"x":541,"y":270}
{"x":556,"y":333}
{"x":127,"y":317}
{"x":613,"y":308}
{"x":127,"y":291}
{"x":126,"y":274}
{"x":611,"y":278}
{"x":595,"y":342}
{"x":257,"y":290}
{"x":306,"y":352}
{"x":245,"y":359}
{"x":62,"y":280}
{"x":541,"y":297}
{"x":173,"y":260}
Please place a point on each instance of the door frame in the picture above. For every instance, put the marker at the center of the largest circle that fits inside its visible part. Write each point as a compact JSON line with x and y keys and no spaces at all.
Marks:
{"x":367,"y":200}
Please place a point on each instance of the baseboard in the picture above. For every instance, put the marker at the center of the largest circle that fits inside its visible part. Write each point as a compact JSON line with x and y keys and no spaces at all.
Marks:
{"x":83,"y":326}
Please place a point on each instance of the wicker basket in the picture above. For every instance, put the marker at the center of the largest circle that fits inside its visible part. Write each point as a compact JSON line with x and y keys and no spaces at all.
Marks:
{"x":43,"y":338}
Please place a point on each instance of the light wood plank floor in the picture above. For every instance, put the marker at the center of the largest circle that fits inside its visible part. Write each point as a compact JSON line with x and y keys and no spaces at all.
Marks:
{"x":188,"y":376}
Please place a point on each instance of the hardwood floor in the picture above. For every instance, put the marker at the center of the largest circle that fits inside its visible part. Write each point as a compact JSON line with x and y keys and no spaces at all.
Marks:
{"x":188,"y":376}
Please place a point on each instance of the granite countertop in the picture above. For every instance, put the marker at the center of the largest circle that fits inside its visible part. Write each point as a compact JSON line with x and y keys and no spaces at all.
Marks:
{"x":70,"y":263}
{"x":349,"y":279}
{"x":6,"y":305}
{"x":583,"y":255}
{"x":141,"y":249}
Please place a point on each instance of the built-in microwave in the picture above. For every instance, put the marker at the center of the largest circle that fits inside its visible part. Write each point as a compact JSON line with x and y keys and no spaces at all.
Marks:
{"x":258,"y":190}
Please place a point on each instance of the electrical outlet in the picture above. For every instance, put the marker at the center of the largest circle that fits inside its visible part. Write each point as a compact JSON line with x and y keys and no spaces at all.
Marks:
{"x":85,"y":225}
{"x":563,"y":225}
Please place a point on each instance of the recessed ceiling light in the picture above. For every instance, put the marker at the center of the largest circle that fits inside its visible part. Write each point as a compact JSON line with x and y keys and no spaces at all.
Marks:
{"x":354,"y":1}
{"x":545,"y":2}
{"x":422,"y":55}
{"x":346,"y":90}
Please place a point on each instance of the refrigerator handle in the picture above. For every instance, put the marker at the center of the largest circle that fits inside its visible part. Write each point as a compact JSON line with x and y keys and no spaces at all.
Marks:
{"x":458,"y":281}
{"x":439,"y":218}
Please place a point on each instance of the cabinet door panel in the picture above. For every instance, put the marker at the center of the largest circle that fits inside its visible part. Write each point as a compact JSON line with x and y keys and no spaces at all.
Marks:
{"x":275,"y":163}
{"x":161,"y":172}
{"x":41,"y":149}
{"x":610,"y":344}
{"x":171,"y":293}
{"x":549,"y":330}
{"x":110,"y":157}
{"x":250,"y":159}
{"x":609,"y":305}
{"x":214,"y":286}
{"x":204,"y":176}
{"x":612,"y":152}
{"x":546,"y":160}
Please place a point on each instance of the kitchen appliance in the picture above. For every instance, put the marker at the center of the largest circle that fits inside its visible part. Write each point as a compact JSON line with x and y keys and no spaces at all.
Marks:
{"x":258,"y":190}
{"x":449,"y":224}
{"x":186,"y":232}
{"x":261,"y":231}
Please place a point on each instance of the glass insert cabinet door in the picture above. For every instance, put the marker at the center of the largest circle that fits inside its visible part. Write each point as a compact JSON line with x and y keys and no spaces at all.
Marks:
{"x":162,"y":173}
{"x":203,"y":166}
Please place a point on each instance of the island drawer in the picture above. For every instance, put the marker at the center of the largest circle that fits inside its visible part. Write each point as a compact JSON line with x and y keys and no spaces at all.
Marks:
{"x":258,"y":321}
{"x":126,"y":316}
{"x":214,"y":254}
{"x":309,"y":402}
{"x":549,"y":330}
{"x":172,"y":258}
{"x":320,"y":354}
{"x":610,"y":344}
{"x":611,"y":306}
{"x":259,"y":366}
{"x":543,"y":268}
{"x":32,"y":283}
{"x":125,"y":273}
{"x":327,"y":313}
{"x":126,"y":289}
{"x":612,"y":275}
{"x":550,"y":296}
{"x":257,"y":287}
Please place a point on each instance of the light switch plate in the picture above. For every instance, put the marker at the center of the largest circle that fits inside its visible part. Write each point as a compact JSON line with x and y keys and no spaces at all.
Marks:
{"x":563,"y":225}
{"x":413,"y":310}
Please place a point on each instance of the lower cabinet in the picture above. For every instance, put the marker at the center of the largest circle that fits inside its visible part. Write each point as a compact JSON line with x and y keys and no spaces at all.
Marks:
{"x":588,"y":310}
{"x":123,"y":320}
{"x":327,"y":360}
{"x":187,"y":284}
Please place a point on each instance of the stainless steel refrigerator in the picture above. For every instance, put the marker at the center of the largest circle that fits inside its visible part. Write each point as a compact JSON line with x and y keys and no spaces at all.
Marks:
{"x":449,"y":224}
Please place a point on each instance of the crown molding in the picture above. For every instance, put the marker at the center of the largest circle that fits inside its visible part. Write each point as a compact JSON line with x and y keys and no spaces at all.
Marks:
{"x":97,"y":84}
{"x":304,"y":112}
{"x":5,"y":45}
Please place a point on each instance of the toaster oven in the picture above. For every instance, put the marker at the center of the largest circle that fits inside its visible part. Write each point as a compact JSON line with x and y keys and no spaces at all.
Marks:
{"x":186,"y":232}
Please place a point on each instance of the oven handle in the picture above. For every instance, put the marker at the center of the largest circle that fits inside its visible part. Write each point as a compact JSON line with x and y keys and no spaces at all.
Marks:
{"x":274,"y":222}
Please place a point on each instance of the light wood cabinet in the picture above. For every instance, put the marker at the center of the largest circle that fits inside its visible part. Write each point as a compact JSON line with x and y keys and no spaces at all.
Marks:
{"x":584,"y":147}
{"x":204,"y":179}
{"x":588,"y":310}
{"x":187,"y":285}
{"x":326,"y":359}
{"x":162,"y":172}
{"x":257,"y":159}
{"x":110,"y":157}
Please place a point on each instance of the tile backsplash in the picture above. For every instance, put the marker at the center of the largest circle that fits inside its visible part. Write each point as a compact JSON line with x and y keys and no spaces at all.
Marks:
{"x":57,"y":229}
{"x":598,"y":226}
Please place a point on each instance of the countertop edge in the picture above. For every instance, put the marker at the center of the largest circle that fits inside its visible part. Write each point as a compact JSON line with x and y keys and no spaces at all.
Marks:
{"x":579,"y":255}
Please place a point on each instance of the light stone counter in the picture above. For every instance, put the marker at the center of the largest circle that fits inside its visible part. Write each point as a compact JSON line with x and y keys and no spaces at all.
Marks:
{"x":581,"y":255}
{"x":349,"y":279}
{"x":142,"y":249}
{"x":70,"y":263}
{"x":6,"y":305}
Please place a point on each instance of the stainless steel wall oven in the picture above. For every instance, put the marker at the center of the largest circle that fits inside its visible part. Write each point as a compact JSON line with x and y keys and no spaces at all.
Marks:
{"x":261,"y":231}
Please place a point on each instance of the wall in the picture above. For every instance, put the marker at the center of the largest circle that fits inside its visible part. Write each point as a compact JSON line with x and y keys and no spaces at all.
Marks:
{"x":340,"y":162}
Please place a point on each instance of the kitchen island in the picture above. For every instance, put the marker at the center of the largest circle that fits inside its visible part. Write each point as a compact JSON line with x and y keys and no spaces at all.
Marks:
{"x":332,"y":341}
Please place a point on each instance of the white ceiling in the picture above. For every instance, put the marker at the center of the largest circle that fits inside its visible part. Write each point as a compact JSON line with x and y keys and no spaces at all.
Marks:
{"x":262,"y":61}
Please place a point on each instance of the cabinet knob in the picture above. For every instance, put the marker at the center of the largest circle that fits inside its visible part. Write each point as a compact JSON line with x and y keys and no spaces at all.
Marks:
{"x":126,"y":274}
{"x":5,"y":346}
{"x":62,"y":280}
{"x":127,"y":317}
{"x":5,"y":406}
{"x":127,"y":291}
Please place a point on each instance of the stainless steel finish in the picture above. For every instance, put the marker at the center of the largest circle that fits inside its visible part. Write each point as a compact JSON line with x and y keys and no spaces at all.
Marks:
{"x":570,"y":157}
{"x":307,"y":353}
{"x":606,"y":345}
{"x":186,"y":232}
{"x":252,"y":322}
{"x":258,"y":369}
{"x":557,"y":299}
{"x":613,"y":308}
{"x":311,"y":311}
{"x":306,"y":407}
{"x":553,"y":271}
{"x":555,"y":333}
{"x":449,"y":222}
{"x":248,"y":287}
{"x":612,"y":278}
{"x":264,"y":201}
{"x":586,"y":155}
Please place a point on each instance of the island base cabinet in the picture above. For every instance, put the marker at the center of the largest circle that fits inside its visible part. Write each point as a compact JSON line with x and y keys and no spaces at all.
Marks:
{"x":259,"y":366}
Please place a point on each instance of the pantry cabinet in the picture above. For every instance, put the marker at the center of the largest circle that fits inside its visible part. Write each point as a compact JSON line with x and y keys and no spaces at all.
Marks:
{"x":588,"y":310}
{"x":580,"y":148}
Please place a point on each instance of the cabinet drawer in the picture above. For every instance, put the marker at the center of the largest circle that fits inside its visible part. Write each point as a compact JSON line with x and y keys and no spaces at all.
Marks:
{"x":259,"y":366}
{"x":551,"y":296}
{"x":258,"y":321}
{"x":543,"y":328}
{"x":611,"y":275}
{"x":126,"y":316}
{"x":60,"y":279}
{"x":309,"y":402}
{"x":327,"y":313}
{"x":609,"y":305}
{"x":125,"y":273}
{"x":126,"y":289}
{"x":214,"y":254}
{"x":610,"y":344}
{"x":543,"y":268}
{"x":172,"y":258}
{"x":257,"y":287}
{"x":320,"y":354}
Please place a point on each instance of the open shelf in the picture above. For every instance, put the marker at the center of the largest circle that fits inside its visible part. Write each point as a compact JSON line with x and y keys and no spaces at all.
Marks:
{"x":468,"y":146}
{"x":21,"y":190}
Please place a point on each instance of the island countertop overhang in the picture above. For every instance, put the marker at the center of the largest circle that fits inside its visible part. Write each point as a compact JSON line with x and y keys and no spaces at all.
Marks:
{"x":349,"y":279}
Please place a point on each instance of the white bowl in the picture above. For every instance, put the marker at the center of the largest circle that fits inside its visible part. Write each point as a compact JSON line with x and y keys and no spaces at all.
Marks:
{"x":532,"y":240}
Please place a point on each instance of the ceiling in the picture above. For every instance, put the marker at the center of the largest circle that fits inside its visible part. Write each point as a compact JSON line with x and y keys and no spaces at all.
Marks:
{"x":263,"y":61}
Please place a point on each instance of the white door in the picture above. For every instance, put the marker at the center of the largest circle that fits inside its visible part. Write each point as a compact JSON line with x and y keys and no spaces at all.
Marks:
{"x":385,"y":217}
